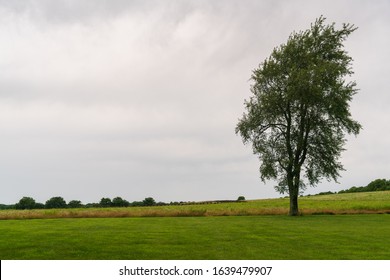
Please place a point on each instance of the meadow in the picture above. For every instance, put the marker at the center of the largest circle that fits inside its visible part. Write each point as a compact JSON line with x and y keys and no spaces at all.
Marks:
{"x":328,"y":229}
{"x":348,"y":203}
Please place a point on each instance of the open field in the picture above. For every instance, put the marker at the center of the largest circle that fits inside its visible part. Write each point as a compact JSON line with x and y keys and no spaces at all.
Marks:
{"x":257,"y":229}
{"x":349,"y":203}
{"x":363,"y":236}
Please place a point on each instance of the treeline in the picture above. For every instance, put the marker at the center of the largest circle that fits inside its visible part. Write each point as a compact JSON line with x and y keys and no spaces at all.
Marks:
{"x":59,"y":202}
{"x":374,"y":186}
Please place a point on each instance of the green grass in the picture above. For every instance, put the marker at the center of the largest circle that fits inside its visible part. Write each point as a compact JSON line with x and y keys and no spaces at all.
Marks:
{"x":233,"y":237}
{"x":258,"y":229}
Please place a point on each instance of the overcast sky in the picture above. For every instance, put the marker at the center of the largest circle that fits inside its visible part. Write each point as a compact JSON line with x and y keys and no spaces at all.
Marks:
{"x":141,"y":98}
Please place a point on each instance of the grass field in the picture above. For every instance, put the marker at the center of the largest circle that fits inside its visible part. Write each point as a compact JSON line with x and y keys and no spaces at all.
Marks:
{"x":257,"y":229}
{"x":363,"y":236}
{"x":350,"y":203}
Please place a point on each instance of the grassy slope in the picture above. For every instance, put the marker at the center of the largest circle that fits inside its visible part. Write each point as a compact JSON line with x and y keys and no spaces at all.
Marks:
{"x":372,"y":202}
{"x":245,"y":237}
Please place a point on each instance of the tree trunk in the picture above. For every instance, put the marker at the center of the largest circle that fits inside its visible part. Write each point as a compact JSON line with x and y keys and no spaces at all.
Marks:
{"x":293,"y":187}
{"x":294,"y":203}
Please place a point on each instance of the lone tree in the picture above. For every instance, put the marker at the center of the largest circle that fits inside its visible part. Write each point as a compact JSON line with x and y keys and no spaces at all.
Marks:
{"x":299,"y":113}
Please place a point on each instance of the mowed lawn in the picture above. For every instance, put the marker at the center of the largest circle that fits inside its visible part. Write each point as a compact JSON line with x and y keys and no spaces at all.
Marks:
{"x":363,"y":236}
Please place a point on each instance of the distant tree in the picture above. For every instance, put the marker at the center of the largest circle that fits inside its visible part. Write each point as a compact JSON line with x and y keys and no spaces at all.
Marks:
{"x":241,"y":198}
{"x":160,"y":203}
{"x":39,"y":205}
{"x":55,"y":202}
{"x":75,"y":204}
{"x":137,"y":203}
{"x":149,"y":201}
{"x":325,"y":193}
{"x":26,"y":203}
{"x":120,"y":202}
{"x":5,"y":206}
{"x":377,"y":185}
{"x":174,"y":203}
{"x":92,"y":205}
{"x":299,"y":113}
{"x":105,"y":202}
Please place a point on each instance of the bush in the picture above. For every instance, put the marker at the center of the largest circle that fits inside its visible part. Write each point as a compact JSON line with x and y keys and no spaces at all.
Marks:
{"x":241,"y":198}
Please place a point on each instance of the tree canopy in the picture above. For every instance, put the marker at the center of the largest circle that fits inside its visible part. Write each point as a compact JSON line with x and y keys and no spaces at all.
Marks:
{"x":26,"y":203}
{"x":299,"y":113}
{"x":55,"y":202}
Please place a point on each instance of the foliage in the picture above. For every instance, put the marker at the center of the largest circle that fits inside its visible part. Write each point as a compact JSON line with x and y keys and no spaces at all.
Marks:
{"x":5,"y":206}
{"x":149,"y":201}
{"x":39,"y":205}
{"x":241,"y":198}
{"x":137,"y":203}
{"x":120,"y":202}
{"x":75,"y":204}
{"x":26,"y":203}
{"x":92,"y":205}
{"x":325,"y":193}
{"x":376,"y":185}
{"x":299,"y":113}
{"x":105,"y":202}
{"x":55,"y":202}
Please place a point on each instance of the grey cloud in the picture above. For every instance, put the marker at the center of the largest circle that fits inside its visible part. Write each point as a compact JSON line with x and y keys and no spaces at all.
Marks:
{"x":140,"y":98}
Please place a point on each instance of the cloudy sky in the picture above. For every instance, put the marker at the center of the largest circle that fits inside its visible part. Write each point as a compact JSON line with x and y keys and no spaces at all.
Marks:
{"x":141,"y":98}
